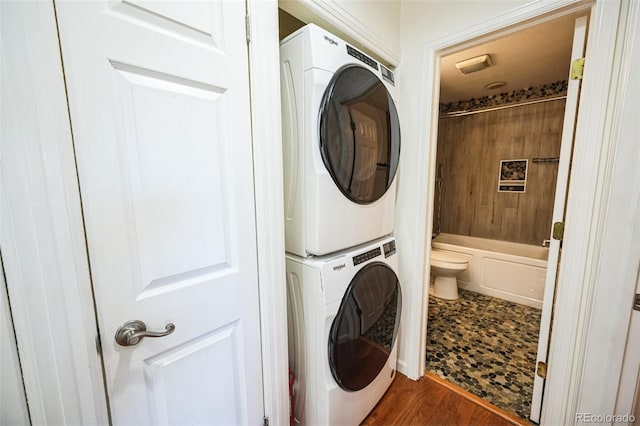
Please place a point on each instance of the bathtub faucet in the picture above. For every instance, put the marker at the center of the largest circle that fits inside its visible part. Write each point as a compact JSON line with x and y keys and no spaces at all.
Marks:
{"x":546,"y":243}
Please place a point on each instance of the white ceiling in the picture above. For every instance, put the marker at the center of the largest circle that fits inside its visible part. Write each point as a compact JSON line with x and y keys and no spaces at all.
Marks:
{"x":531,"y":57}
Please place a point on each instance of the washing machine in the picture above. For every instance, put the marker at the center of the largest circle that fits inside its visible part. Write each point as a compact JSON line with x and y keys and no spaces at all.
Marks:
{"x":343,"y":315}
{"x":341,"y":144}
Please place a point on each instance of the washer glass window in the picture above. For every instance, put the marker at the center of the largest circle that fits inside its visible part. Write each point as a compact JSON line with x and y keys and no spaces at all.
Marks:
{"x":359,"y":134}
{"x":365,"y":328}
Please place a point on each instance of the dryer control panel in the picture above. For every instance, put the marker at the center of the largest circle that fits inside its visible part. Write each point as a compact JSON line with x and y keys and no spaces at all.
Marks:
{"x":389,"y":248}
{"x":362,"y":57}
{"x":387,"y":74}
{"x":371,"y":254}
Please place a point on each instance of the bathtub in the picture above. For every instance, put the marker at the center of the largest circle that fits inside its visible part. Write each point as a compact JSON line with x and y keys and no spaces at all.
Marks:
{"x":510,"y":271}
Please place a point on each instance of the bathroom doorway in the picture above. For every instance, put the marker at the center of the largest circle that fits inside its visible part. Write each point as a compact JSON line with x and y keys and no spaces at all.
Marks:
{"x":499,"y":151}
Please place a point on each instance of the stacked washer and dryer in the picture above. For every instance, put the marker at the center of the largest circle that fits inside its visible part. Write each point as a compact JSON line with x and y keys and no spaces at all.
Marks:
{"x":341,"y":144}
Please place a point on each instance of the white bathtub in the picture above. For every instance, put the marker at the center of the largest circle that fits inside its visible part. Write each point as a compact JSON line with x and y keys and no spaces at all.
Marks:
{"x":510,"y":271}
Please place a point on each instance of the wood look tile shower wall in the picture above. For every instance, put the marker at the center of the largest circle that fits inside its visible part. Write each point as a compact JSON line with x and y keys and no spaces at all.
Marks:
{"x":470,"y":149}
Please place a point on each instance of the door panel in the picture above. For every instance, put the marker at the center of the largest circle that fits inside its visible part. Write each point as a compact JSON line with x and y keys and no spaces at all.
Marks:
{"x":211,"y":358}
{"x":562,"y":182}
{"x":159,"y":104}
{"x":162,"y":160}
{"x":199,"y":24}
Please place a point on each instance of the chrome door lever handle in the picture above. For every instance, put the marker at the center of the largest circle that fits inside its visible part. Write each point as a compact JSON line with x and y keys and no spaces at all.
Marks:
{"x":130,"y":333}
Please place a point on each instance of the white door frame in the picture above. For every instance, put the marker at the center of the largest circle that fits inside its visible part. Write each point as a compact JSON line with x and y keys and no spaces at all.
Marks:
{"x":264,"y":63}
{"x":42,"y":234}
{"x":41,"y":229}
{"x":587,"y":203}
{"x":617,"y":263}
{"x":14,"y":400}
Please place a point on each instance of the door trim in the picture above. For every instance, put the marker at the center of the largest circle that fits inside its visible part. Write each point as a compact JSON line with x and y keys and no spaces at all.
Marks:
{"x":14,"y":398}
{"x":616,"y":263}
{"x":41,"y":231}
{"x":586,"y":207}
{"x":411,"y":359}
{"x":264,"y":64}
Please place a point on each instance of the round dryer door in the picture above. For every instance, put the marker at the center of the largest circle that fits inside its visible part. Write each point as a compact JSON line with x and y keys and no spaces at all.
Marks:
{"x":364,"y":330}
{"x":359,"y":134}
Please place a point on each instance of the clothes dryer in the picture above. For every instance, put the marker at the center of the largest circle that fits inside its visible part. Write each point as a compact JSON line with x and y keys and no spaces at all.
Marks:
{"x":341,"y":144}
{"x":343,"y":316}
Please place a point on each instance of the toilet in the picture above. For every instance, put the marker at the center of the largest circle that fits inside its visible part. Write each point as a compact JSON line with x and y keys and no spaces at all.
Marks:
{"x":444,"y":267}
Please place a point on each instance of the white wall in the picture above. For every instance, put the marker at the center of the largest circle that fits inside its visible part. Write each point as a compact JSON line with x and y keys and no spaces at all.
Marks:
{"x":422,"y":23}
{"x":383,"y":19}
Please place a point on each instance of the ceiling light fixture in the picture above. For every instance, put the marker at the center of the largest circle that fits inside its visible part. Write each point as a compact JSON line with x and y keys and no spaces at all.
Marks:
{"x":477,"y":63}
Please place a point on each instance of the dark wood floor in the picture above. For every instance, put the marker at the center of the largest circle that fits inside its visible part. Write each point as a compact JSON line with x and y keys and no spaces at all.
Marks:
{"x":433,"y":401}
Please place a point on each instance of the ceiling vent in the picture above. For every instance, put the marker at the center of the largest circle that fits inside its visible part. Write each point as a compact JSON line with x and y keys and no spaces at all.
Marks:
{"x":474,"y":64}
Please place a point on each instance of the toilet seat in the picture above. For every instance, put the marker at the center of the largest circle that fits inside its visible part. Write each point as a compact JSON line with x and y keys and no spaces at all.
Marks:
{"x":439,"y":257}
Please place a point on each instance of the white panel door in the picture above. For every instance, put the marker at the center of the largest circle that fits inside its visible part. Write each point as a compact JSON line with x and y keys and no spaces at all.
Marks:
{"x":564,"y":167}
{"x":159,"y":105}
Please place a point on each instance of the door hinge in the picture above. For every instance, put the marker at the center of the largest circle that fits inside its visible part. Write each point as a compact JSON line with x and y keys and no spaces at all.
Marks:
{"x":558,"y":230}
{"x":247,"y":24}
{"x":265,"y":421}
{"x":541,"y":371}
{"x":577,"y":69}
{"x":636,"y":302}
{"x":98,"y":345}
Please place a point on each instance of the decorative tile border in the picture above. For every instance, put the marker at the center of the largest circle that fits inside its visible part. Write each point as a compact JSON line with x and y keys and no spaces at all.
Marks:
{"x":557,"y":88}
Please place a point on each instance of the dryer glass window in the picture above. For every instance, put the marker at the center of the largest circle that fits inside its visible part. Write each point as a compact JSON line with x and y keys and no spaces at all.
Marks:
{"x":359,"y":134}
{"x":365,"y":328}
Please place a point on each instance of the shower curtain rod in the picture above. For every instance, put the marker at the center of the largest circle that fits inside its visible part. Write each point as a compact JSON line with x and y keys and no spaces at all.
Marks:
{"x":496,"y":108}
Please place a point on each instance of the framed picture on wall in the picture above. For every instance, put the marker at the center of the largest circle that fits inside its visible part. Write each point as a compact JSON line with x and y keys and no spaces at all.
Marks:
{"x":513,"y":175}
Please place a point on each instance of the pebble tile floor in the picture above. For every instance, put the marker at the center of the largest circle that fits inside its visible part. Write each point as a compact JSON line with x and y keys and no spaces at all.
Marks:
{"x":485,"y":345}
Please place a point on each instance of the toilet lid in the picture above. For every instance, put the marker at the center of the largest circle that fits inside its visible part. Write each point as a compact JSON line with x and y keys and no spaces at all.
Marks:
{"x":445,"y":256}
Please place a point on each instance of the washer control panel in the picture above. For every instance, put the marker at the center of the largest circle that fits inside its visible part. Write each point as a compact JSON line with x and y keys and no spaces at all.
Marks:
{"x":371,"y":254}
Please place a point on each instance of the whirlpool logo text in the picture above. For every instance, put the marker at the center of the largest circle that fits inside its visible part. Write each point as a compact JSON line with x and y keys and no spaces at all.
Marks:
{"x":330,"y":40}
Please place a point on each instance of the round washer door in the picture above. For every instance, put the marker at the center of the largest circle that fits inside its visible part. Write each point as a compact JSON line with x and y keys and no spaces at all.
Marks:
{"x":364,"y":330}
{"x":359,"y":134}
